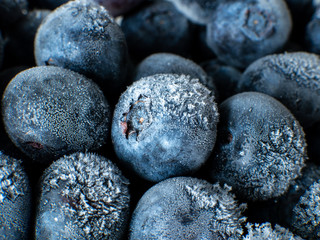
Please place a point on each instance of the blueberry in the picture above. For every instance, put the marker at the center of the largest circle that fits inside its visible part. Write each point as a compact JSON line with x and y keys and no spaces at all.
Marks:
{"x":312,"y":32}
{"x":260,"y":146}
{"x":225,"y":77}
{"x":83,"y":37}
{"x":187,"y":208}
{"x":265,"y":231}
{"x":292,"y":78}
{"x":164,"y":125}
{"x":83,"y":196}
{"x":11,"y":11}
{"x":15,"y":199}
{"x":306,"y":214}
{"x":159,"y":63}
{"x":157,"y":27}
{"x":198,"y":11}
{"x":50,"y":111}
{"x":20,"y":43}
{"x":243,"y":31}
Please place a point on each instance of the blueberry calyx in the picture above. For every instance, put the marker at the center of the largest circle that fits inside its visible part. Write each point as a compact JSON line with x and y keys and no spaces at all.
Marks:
{"x":257,"y":24}
{"x":137,"y":118}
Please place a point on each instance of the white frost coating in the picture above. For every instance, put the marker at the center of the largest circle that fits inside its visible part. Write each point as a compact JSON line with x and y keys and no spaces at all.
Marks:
{"x":265,"y":231}
{"x":94,"y":194}
{"x":13,"y":181}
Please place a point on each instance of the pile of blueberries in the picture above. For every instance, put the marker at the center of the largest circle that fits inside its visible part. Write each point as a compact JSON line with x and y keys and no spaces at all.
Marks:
{"x":160,"y":119}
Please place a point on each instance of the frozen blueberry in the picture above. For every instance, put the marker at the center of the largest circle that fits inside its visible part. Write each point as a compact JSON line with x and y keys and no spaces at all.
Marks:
{"x":292,"y":78}
{"x":243,"y":31}
{"x":159,"y":63}
{"x":15,"y":200}
{"x":20,"y":43}
{"x":225,"y":77}
{"x":260,"y":146}
{"x":11,"y":11}
{"x":312,"y":32}
{"x":187,"y":208}
{"x":306,"y":214}
{"x":50,"y":111}
{"x":198,"y":11}
{"x":83,"y":196}
{"x":157,"y":27}
{"x":83,"y":37}
{"x":265,"y":231}
{"x":165,"y":125}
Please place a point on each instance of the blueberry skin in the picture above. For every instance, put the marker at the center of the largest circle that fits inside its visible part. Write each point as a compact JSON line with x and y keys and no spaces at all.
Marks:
{"x":292,"y":78}
{"x":164,"y":63}
{"x":83,"y":37}
{"x":164,"y":125}
{"x":242,"y":31}
{"x":157,"y":27}
{"x":260,"y":146}
{"x":198,"y":11}
{"x":83,"y":196}
{"x":15,"y":200}
{"x":312,"y":32}
{"x":187,"y":208}
{"x":11,"y":11}
{"x":225,"y":77}
{"x":265,"y":231}
{"x":50,"y":111}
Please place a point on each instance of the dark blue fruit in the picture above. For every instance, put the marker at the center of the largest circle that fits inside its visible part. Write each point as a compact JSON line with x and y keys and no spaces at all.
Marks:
{"x":160,"y":63}
{"x":50,"y":111}
{"x":242,"y":31}
{"x":165,"y":125}
{"x":292,"y":78}
{"x":157,"y":27}
{"x":187,"y":208}
{"x":260,"y":146}
{"x":83,"y":196}
{"x":15,"y":200}
{"x":198,"y":11}
{"x":83,"y":37}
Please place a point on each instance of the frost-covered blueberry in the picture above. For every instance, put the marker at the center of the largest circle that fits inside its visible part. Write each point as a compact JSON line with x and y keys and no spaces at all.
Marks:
{"x":225,"y":78}
{"x":265,"y":231}
{"x":83,"y":196}
{"x":162,"y":63}
{"x":198,"y":11}
{"x":242,"y":31}
{"x":15,"y":200}
{"x":50,"y":111}
{"x":11,"y":11}
{"x":83,"y":37}
{"x":157,"y":27}
{"x":292,"y":78}
{"x":260,"y":148}
{"x":165,"y":125}
{"x":187,"y":208}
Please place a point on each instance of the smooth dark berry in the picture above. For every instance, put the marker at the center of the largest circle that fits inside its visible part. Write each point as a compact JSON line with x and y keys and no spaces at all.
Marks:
{"x":165,"y":125}
{"x":240,"y":32}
